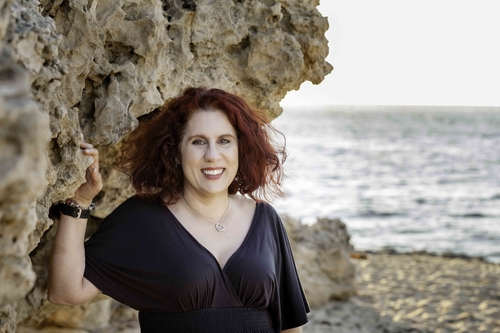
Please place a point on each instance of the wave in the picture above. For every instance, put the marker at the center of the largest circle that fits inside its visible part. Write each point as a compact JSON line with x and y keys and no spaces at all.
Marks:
{"x":471,"y":215}
{"x":484,"y":237}
{"x":495,"y":197}
{"x":372,"y":213}
{"x":388,"y":249}
{"x":458,"y":180}
{"x":413,"y":231}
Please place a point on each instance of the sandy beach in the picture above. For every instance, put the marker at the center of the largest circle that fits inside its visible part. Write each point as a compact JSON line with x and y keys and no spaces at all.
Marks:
{"x":416,"y":292}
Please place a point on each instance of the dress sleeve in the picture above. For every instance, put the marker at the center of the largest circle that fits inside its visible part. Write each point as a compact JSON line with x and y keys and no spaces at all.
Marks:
{"x":114,"y":258}
{"x":293,"y":303}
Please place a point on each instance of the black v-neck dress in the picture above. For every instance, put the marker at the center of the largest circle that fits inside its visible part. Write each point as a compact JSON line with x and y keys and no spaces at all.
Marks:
{"x":143,"y":257}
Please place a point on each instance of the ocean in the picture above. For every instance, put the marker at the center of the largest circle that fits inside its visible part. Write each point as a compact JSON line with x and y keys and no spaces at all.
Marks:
{"x":406,"y":178}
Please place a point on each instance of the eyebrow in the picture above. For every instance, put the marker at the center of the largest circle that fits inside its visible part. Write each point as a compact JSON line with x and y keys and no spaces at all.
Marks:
{"x":204,"y":137}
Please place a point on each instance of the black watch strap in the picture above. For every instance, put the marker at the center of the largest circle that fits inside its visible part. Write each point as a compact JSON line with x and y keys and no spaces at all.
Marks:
{"x":75,"y":212}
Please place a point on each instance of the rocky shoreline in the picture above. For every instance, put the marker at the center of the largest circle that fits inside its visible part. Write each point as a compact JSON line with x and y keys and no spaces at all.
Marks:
{"x":416,"y":292}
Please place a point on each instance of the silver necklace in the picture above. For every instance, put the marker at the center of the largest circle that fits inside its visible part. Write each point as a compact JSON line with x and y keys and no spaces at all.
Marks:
{"x":218,"y":226}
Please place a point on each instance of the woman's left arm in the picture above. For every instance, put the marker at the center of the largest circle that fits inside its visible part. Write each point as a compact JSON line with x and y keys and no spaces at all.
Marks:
{"x":293,"y":330}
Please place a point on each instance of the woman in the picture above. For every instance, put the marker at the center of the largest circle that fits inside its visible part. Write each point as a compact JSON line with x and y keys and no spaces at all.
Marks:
{"x":197,"y":249}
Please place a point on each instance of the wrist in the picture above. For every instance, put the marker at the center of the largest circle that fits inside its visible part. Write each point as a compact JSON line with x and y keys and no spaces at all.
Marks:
{"x":75,"y":209}
{"x":81,"y":202}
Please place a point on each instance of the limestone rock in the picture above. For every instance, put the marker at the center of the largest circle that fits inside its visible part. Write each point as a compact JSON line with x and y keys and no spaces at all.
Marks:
{"x":322,"y":256}
{"x":88,"y":316}
{"x":7,"y":318}
{"x":22,"y":175}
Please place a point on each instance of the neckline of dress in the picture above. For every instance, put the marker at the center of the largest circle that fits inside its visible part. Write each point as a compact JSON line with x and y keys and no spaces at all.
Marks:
{"x":258,"y":206}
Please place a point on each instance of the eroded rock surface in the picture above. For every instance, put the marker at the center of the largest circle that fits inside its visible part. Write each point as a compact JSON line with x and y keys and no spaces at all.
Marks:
{"x":98,"y":65}
{"x":23,"y":136}
{"x":322,"y":256}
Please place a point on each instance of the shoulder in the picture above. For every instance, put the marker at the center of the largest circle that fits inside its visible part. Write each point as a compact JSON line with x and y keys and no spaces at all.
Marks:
{"x":267,"y":209}
{"x":250,"y":207}
{"x":133,"y":209}
{"x":136,"y":202}
{"x":246,"y":206}
{"x":133,"y":221}
{"x":269,"y":217}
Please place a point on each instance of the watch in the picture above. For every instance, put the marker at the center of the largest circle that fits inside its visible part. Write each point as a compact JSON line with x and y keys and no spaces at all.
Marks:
{"x":70,"y":208}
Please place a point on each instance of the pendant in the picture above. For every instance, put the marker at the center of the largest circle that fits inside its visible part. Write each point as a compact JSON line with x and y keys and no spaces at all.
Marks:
{"x":220,"y":227}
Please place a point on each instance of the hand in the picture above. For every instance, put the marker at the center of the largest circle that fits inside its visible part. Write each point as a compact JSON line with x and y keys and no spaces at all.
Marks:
{"x":93,"y":185}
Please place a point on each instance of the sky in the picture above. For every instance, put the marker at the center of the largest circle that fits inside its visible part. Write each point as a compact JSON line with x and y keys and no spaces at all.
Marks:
{"x":401,"y":52}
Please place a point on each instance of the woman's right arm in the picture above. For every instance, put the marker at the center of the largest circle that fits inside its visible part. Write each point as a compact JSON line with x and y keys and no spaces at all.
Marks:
{"x":66,"y":283}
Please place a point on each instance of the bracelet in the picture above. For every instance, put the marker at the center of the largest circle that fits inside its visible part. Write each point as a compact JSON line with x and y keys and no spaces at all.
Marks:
{"x":71,"y":208}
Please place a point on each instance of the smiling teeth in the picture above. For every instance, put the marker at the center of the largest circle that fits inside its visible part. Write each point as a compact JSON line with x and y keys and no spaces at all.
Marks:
{"x":213,"y":172}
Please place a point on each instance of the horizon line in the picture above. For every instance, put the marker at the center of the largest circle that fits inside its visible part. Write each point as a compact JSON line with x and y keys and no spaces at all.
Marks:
{"x":391,"y":105}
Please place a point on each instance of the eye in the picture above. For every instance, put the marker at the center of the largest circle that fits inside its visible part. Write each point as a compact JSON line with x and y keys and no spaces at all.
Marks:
{"x":198,"y":142}
{"x":224,"y":141}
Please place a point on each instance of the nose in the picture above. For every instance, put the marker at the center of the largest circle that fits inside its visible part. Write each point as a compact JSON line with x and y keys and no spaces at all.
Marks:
{"x":212,"y":153}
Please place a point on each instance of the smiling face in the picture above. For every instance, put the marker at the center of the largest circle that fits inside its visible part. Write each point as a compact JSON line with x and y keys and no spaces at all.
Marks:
{"x":209,"y":154}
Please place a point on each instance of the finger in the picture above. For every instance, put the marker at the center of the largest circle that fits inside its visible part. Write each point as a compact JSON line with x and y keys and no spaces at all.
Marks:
{"x":95,"y":179}
{"x":88,"y":174}
{"x":85,"y":145}
{"x":93,"y":176}
{"x":95,"y":155}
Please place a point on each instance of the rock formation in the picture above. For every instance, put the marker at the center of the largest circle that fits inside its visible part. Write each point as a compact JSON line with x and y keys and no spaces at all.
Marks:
{"x":24,"y":134}
{"x":322,"y":256}
{"x":98,"y":66}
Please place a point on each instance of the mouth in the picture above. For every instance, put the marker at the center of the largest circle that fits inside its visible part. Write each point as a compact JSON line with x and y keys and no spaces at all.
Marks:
{"x":212,"y":172}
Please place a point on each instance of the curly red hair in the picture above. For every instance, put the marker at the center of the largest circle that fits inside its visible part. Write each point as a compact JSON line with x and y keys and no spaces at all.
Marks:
{"x":151,"y":154}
